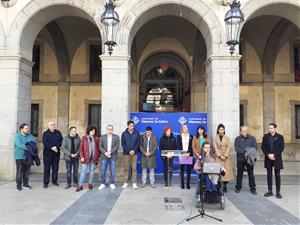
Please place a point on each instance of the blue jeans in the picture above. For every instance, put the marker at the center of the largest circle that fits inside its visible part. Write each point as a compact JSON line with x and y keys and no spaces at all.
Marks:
{"x":84,"y":168}
{"x":72,"y":164}
{"x":112,"y":166}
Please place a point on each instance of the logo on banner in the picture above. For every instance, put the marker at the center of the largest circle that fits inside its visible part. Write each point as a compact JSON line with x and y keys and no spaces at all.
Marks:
{"x":182,"y":120}
{"x":135,"y":120}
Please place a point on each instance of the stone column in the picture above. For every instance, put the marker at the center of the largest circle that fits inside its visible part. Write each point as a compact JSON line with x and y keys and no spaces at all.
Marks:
{"x":115,"y":92}
{"x":223,"y":94}
{"x":15,"y":106}
{"x":63,"y":107}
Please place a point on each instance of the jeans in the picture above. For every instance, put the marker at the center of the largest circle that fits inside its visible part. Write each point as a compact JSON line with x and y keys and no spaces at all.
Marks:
{"x":112,"y":166}
{"x":72,"y":164}
{"x":144,"y":176}
{"x":22,"y":175}
{"x":84,"y":168}
{"x":241,"y":164}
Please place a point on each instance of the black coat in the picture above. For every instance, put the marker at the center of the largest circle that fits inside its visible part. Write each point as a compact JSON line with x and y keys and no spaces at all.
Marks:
{"x":179,"y":142}
{"x":167,"y":143}
{"x":278,"y":149}
{"x":31,"y":154}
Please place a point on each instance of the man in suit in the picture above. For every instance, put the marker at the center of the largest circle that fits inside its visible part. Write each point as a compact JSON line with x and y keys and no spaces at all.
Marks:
{"x":109,"y":146}
{"x":272,"y":146}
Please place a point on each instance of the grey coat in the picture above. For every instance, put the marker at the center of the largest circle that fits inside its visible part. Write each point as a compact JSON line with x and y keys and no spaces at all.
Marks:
{"x":66,"y":146}
{"x":150,"y":161}
{"x":115,"y":145}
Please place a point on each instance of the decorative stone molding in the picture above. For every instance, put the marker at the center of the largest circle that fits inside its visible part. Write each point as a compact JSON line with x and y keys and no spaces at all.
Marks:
{"x":224,"y":2}
{"x":8,"y":3}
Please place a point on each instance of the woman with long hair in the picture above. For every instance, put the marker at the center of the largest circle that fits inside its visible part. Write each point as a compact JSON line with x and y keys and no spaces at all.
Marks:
{"x":199,"y":139}
{"x":184,"y":141}
{"x":222,"y":145}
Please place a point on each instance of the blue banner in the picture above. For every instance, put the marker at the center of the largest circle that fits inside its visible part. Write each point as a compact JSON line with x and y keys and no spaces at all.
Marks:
{"x":158,"y":121}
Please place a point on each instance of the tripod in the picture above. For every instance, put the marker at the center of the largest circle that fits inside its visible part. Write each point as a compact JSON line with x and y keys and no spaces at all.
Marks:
{"x":201,"y":211}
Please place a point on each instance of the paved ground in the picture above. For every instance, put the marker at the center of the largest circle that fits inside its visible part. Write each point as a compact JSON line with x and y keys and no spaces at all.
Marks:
{"x":144,"y":206}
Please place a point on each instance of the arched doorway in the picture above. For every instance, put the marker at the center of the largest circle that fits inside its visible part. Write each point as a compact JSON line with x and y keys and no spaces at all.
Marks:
{"x":164,"y":84}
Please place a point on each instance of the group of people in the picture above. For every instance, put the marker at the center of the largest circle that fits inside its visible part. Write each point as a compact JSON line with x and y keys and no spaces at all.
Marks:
{"x":90,"y":150}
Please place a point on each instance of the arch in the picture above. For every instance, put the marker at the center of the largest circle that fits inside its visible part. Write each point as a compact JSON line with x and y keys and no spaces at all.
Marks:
{"x":288,"y":10}
{"x":164,"y":44}
{"x":35,"y":15}
{"x":197,"y":12}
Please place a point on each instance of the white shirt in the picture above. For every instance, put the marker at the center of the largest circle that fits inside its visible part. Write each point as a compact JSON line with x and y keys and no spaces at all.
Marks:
{"x":185,"y":142}
{"x":109,"y":141}
{"x":148,"y":144}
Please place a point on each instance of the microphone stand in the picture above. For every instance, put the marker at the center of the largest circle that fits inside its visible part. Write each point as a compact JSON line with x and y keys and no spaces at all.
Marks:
{"x":201,"y":211}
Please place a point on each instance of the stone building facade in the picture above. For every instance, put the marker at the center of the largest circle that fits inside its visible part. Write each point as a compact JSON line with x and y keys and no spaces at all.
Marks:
{"x":50,"y":67}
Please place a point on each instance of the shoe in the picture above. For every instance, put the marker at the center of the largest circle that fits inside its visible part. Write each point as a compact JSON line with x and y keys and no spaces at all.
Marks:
{"x":237,"y":190}
{"x":124,"y":185}
{"x":268,"y":194}
{"x":166,"y":186}
{"x":79,"y":188}
{"x":75,"y":185}
{"x":45,"y":186}
{"x":278,"y":195}
{"x":188,"y":186}
{"x":182,"y":186}
{"x":170,"y":186}
{"x":101,"y":187}
{"x":67,"y":186}
{"x":153,"y":185}
{"x":112,"y":186}
{"x":19,"y":188}
{"x":143,"y":185}
{"x":27,"y":187}
{"x":134,"y":186}
{"x":56,"y":184}
{"x":253,"y":192}
{"x":91,"y":186}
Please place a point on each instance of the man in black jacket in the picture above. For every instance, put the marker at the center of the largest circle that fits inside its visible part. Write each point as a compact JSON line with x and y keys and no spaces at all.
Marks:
{"x":241,"y":144}
{"x":52,"y":141}
{"x":272,"y":146}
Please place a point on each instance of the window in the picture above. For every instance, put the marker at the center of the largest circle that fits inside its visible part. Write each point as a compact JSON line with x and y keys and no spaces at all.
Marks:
{"x":297,"y":63}
{"x":95,"y":63}
{"x":94,"y":117}
{"x":242,"y":115}
{"x":34,"y":124}
{"x":36,"y":55}
{"x":297,"y":121}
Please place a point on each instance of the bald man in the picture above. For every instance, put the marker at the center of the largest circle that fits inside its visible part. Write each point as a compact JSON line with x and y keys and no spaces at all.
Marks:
{"x":52,"y":141}
{"x":241,"y":143}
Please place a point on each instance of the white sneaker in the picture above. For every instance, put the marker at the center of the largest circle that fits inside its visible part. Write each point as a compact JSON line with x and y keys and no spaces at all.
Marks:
{"x":134,"y":186}
{"x":124,"y":185}
{"x":112,"y":186}
{"x":101,"y":187}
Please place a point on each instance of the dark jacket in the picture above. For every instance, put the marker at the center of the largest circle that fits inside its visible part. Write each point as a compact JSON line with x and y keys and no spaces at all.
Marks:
{"x":167,"y":143}
{"x":241,"y":143}
{"x":179,"y":142}
{"x":277,"y":150}
{"x":115,"y":145}
{"x":85,"y":150}
{"x":31,"y":154}
{"x":51,"y":139}
{"x":67,"y":146}
{"x":130,"y":141}
{"x":150,"y":161}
